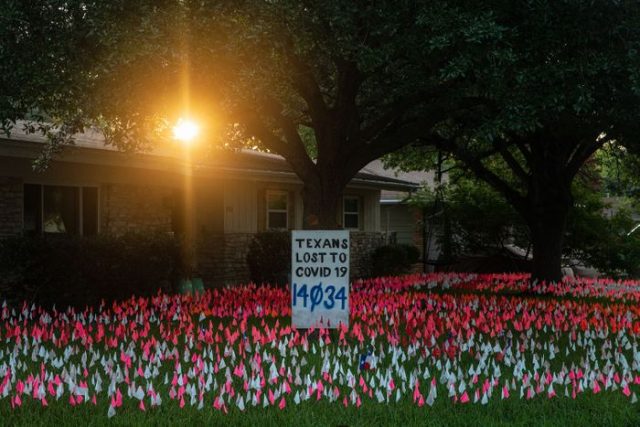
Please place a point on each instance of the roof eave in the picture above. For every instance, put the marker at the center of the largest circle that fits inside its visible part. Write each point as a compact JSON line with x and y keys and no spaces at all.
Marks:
{"x":30,"y":149}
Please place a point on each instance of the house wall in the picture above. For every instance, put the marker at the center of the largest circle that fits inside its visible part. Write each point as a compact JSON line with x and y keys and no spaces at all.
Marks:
{"x":245,"y":205}
{"x":240,"y":207}
{"x":294,"y":207}
{"x":245,"y":210}
{"x":10,"y":206}
{"x":401,"y":220}
{"x":406,"y":223}
{"x":222,"y":257}
{"x":129,"y":199}
{"x":226,"y":216}
{"x":369,"y":208}
{"x":135,"y":208}
{"x":209,"y":215}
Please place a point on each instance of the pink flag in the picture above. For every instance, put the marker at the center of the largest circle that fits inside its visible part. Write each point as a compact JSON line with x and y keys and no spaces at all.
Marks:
{"x":505,"y":392}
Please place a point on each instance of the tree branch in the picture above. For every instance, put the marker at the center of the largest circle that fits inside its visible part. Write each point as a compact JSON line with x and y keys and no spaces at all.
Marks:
{"x":361,"y":154}
{"x":513,"y":164}
{"x":305,"y":83}
{"x":344,"y":110}
{"x":397,"y":109}
{"x":292,"y":149}
{"x":395,"y":134}
{"x":523,"y":149}
{"x":582,"y":154}
{"x":476,"y":166}
{"x":349,"y":80}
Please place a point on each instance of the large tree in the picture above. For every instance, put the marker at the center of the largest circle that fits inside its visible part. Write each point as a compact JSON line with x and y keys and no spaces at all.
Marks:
{"x":569,"y":86}
{"x":468,"y":217}
{"x":330,"y":85}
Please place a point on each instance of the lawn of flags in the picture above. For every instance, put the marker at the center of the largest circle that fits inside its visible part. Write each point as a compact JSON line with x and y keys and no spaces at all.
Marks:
{"x":464,"y":338}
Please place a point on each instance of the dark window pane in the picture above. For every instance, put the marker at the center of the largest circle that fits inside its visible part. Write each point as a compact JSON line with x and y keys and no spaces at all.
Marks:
{"x":277,"y":201}
{"x":277,"y":220}
{"x":351,"y":221}
{"x":60,"y":210}
{"x":351,"y":205}
{"x":89,"y":211}
{"x":32,"y":209}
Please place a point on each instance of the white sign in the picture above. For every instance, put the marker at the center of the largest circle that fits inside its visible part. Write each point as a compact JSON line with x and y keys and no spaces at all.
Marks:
{"x":319,"y":278}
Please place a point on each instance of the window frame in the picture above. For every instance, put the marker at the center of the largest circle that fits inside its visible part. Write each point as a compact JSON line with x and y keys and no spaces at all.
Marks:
{"x":79,"y":206}
{"x":268,"y":210}
{"x":356,"y":213}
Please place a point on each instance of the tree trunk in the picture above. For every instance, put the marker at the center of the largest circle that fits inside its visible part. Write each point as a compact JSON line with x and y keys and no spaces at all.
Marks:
{"x":547,"y":211}
{"x":547,"y":235}
{"x":321,"y":201}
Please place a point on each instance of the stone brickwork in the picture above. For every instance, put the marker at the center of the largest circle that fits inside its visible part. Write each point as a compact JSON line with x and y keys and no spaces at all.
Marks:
{"x":210,"y":258}
{"x":11,"y":194}
{"x":222,"y":258}
{"x":131,"y":208}
{"x":362,"y":246}
{"x":236,"y":247}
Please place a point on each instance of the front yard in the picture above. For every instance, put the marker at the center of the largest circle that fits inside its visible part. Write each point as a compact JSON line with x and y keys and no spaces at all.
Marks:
{"x":420,"y":350}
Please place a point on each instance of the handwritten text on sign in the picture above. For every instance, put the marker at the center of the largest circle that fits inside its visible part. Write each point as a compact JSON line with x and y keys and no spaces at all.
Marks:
{"x":319,"y":278}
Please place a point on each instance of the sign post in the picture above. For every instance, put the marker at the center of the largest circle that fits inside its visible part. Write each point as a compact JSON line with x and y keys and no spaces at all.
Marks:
{"x":319,"y":278}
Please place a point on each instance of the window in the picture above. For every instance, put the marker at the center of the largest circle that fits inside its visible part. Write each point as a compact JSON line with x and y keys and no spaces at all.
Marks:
{"x":50,"y":209}
{"x":277,"y":210}
{"x":351,"y":212}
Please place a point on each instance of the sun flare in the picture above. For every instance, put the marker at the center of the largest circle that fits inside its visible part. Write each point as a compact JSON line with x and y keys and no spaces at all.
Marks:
{"x":186,"y":130}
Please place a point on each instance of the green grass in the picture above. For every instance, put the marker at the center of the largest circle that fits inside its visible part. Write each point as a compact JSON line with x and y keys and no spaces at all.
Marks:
{"x":605,"y":409}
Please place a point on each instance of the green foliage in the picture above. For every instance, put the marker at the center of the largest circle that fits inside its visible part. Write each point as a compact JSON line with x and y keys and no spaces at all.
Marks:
{"x":269,"y":257}
{"x":598,"y":235}
{"x":83,"y":271}
{"x":565,"y":84}
{"x":468,"y":217}
{"x":479,"y":220}
{"x":54,"y":58}
{"x":618,"y":169}
{"x":471,"y":218}
{"x":393,"y":260}
{"x":568,"y":63}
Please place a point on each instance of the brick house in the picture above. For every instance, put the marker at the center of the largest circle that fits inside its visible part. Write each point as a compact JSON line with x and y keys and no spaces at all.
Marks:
{"x":224,"y":200}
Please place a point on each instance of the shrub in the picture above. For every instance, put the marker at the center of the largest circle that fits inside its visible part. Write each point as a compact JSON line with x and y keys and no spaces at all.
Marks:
{"x":269,"y":257}
{"x":413,"y":253}
{"x":394,"y":260}
{"x":83,"y":271}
